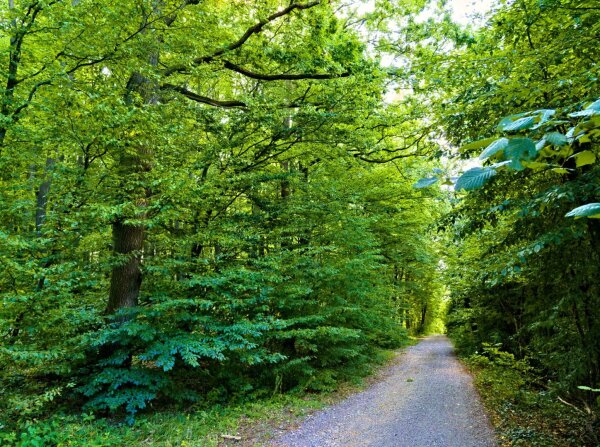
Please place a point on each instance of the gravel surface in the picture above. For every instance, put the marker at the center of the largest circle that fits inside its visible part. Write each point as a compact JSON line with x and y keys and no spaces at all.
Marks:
{"x":426,"y":399}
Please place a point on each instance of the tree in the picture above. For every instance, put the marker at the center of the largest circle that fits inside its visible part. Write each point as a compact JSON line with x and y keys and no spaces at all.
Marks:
{"x":200,"y":226}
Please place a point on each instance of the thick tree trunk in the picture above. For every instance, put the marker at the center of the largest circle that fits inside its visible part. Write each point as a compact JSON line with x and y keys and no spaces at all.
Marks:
{"x":128,"y":239}
{"x":126,"y":279}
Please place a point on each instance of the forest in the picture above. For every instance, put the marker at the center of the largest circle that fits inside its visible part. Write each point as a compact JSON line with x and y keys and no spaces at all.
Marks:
{"x":214,"y":203}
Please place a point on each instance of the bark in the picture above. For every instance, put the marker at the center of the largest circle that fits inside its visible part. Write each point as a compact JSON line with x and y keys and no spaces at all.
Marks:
{"x":126,"y":279}
{"x":41,"y":205}
{"x":40,"y":217}
{"x":128,"y":238}
{"x":41,"y":198}
{"x":423,"y":317}
{"x":285,"y":184}
{"x":19,"y":30}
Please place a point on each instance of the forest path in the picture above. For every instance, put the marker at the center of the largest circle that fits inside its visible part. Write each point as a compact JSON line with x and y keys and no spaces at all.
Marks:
{"x":425,"y":399}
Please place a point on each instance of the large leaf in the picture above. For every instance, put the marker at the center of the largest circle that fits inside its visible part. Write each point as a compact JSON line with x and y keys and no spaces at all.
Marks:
{"x":595,"y":105}
{"x":474,"y":178}
{"x":519,"y":149}
{"x":500,"y":164}
{"x":586,"y":112}
{"x":591,"y":109}
{"x":425,"y":182}
{"x":508,"y":120}
{"x":495,"y":147}
{"x":584,"y":158}
{"x":477,"y":144}
{"x":536,"y":165}
{"x":526,"y":122}
{"x":556,"y":138}
{"x":544,"y":116}
{"x":590,"y":210}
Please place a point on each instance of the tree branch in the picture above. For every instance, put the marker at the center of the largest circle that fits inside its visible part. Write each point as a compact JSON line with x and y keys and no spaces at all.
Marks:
{"x":283,"y":76}
{"x":257,"y":28}
{"x":387,"y":160}
{"x":254,"y":29}
{"x":230,"y":103}
{"x":203,"y":99}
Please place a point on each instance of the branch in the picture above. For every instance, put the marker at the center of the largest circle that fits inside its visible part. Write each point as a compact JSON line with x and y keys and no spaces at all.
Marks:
{"x":230,"y":103}
{"x":387,"y":160}
{"x":23,"y":106}
{"x":254,"y":29}
{"x":203,"y":99}
{"x":283,"y":76}
{"x":257,"y":28}
{"x":588,"y":411}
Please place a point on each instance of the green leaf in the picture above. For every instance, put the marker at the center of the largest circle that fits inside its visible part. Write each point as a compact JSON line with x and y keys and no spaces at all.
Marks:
{"x":535,"y":165}
{"x":584,"y":158}
{"x":425,"y":182}
{"x":519,"y":124}
{"x":495,"y":147}
{"x":587,"y":388}
{"x":507,"y":120}
{"x":500,"y":164}
{"x":594,"y":106}
{"x":556,"y":138}
{"x":519,"y":149}
{"x":589,"y":210}
{"x":477,"y":144}
{"x":585,"y":112}
{"x":540,"y":144}
{"x":544,"y":116}
{"x":474,"y":178}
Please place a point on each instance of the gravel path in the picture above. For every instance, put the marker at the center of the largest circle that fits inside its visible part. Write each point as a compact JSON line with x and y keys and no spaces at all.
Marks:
{"x":426,"y":399}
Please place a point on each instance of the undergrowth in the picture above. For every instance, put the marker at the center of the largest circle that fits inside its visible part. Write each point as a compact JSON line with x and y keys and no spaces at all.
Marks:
{"x":252,"y":417}
{"x":524,"y":413}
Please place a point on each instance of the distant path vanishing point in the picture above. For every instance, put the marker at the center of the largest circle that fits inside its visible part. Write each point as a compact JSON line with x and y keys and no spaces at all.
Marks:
{"x":426,"y":399}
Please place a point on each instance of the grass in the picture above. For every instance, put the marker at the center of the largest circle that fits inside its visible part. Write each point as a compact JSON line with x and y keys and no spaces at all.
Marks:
{"x":253,"y":421}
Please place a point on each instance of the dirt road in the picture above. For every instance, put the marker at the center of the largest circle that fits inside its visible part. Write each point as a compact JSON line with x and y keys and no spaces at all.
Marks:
{"x":426,"y":399}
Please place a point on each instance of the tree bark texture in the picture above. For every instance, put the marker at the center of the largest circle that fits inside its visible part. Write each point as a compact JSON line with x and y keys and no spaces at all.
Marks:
{"x":126,"y":279}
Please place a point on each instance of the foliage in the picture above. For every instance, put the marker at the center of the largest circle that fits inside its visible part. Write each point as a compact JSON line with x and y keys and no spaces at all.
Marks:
{"x":524,"y":414}
{"x":254,"y":418}
{"x":520,"y":94}
{"x":218,"y":216}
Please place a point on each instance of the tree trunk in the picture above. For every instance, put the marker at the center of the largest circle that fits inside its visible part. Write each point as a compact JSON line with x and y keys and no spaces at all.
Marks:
{"x":41,"y":198}
{"x":423,"y":317}
{"x":126,"y":279}
{"x":128,"y":239}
